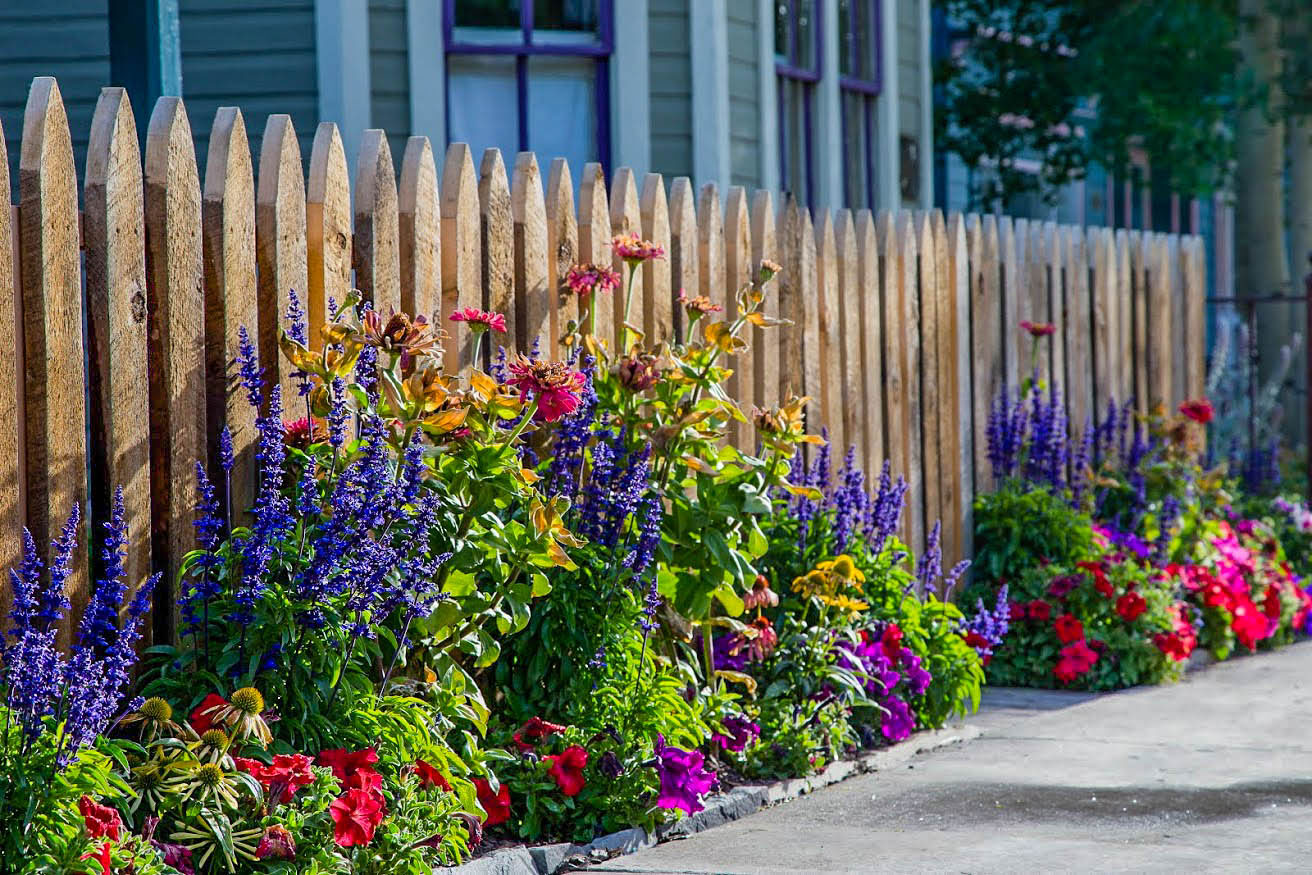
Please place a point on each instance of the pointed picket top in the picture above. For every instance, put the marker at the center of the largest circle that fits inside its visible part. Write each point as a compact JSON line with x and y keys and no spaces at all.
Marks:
{"x":1078,"y":331}
{"x":913,"y":421}
{"x":808,"y":292}
{"x":562,"y":251}
{"x":1040,"y":306}
{"x":1162,"y":321}
{"x":55,"y":410}
{"x":765,"y":342}
{"x":327,"y":227}
{"x":710,"y":247}
{"x":658,"y":302}
{"x":1194,"y":266}
{"x":930,"y":380}
{"x":851,"y":404}
{"x":684,"y":259}
{"x":893,"y":335}
{"x":176,"y":340}
{"x":1010,"y":299}
{"x":626,"y":218}
{"x":738,"y":273}
{"x":114,"y":236}
{"x":1125,"y":315}
{"x":830,"y":349}
{"x":1103,"y":311}
{"x":792,"y":300}
{"x":497,"y":231}
{"x":420,"y":225}
{"x":1176,"y":269}
{"x":594,"y":244}
{"x":1136,"y":268}
{"x":376,"y":252}
{"x":864,"y":300}
{"x":280,"y":251}
{"x":533,"y":296}
{"x":11,"y":473}
{"x":462,"y":284}
{"x":987,"y":339}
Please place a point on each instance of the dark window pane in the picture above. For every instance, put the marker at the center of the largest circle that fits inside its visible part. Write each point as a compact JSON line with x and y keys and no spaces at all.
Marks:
{"x":794,"y":106}
{"x":487,"y":13}
{"x":781,"y":29}
{"x":565,"y":15}
{"x":807,"y":28}
{"x":847,"y":37}
{"x":858,"y":149}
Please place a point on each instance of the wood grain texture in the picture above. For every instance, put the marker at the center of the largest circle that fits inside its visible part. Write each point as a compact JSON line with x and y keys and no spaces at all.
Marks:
{"x":912,"y":379}
{"x":893,"y":321}
{"x":54,"y":381}
{"x":658,"y":299}
{"x":420,"y":227}
{"x":866,"y":301}
{"x":115,"y":239}
{"x":1160,"y":321}
{"x":948,"y":443}
{"x":710,"y":249}
{"x":1010,"y":289}
{"x":684,"y":268}
{"x":738,"y":273}
{"x":1078,"y":333}
{"x":1104,"y":301}
{"x":958,"y":273}
{"x":793,"y":299}
{"x":1125,"y":314}
{"x":1194,"y":254}
{"x":280,"y":250}
{"x":830,"y":384}
{"x":1138,"y":250}
{"x":228,"y":232}
{"x":376,"y":247}
{"x":626,"y":218}
{"x":12,"y":490}
{"x":930,"y":437}
{"x":1019,"y":273}
{"x":1176,"y":269}
{"x":533,"y":295}
{"x":462,"y":284}
{"x":986,"y":338}
{"x":594,"y":244}
{"x":327,"y":227}
{"x":175,"y":319}
{"x":1040,"y":301}
{"x":765,"y":342}
{"x":1054,"y":255}
{"x":850,"y":368}
{"x":497,"y":234}
{"x":563,"y":247}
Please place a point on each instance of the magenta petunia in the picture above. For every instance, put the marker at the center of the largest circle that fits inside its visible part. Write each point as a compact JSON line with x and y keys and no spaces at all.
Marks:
{"x":684,"y":777}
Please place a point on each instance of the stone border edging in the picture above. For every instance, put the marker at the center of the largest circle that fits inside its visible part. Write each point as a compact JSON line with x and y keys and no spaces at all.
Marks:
{"x":738,"y":802}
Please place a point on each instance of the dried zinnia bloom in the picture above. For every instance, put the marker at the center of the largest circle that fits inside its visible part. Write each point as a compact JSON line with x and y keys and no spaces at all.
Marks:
{"x":399,"y":333}
{"x":555,"y":386}
{"x":634,"y":250}
{"x":480,"y":320}
{"x":276,"y":844}
{"x":1038,"y":329}
{"x":701,"y":305}
{"x":588,"y":279}
{"x":769,"y":269}
{"x":639,"y":371}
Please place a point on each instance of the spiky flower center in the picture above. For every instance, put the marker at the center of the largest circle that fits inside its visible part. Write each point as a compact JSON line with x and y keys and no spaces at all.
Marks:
{"x":148,"y":779}
{"x":156,"y":708}
{"x":215,"y":738}
{"x":209,"y":775}
{"x":248,"y":700}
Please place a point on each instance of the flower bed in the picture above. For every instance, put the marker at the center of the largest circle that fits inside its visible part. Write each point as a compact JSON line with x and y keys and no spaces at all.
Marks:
{"x":543,"y":600}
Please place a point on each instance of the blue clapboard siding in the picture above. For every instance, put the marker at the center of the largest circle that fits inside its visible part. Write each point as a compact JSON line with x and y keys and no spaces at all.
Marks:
{"x":68,"y":40}
{"x":259,"y":56}
{"x":671,"y":88}
{"x":744,"y":94}
{"x":389,"y":74}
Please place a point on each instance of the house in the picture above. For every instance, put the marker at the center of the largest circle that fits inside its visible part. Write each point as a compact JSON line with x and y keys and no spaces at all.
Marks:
{"x":828,"y":99}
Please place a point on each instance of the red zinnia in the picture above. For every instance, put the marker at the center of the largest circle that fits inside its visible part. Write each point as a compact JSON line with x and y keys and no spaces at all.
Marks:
{"x":430,"y":777}
{"x":1130,"y":606}
{"x":497,"y":805}
{"x":1039,"y":610}
{"x":356,"y":814}
{"x":556,"y":386}
{"x":102,"y":822}
{"x":202,"y":719}
{"x":567,"y":769}
{"x":1069,"y":629}
{"x":1199,"y":410}
{"x":1038,"y":329}
{"x":480,"y":320}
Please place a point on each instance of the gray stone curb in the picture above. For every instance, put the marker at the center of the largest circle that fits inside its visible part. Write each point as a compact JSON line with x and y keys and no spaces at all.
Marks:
{"x":739,"y":802}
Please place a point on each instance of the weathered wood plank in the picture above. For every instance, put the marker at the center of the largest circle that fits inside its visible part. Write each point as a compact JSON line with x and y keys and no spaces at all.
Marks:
{"x":327,"y":227}
{"x":461,"y":250}
{"x":376,"y":252}
{"x":1176,"y":269}
{"x":1055,"y":259}
{"x":962,"y":445}
{"x":1195,"y":331}
{"x":51,"y":278}
{"x":866,"y":301}
{"x":1019,"y":276}
{"x":893,"y":322}
{"x":931,"y":439}
{"x":12,"y":510}
{"x":1160,"y":320}
{"x":562,"y":249}
{"x":849,"y":319}
{"x":1040,"y":304}
{"x":115,"y":239}
{"x":533,"y":294}
{"x":765,"y":342}
{"x":737,"y":275}
{"x":497,"y":234}
{"x":948,"y":443}
{"x":626,"y":218}
{"x":685,"y":277}
{"x":1138,"y":252}
{"x":1078,"y":333}
{"x":710,"y":247}
{"x":1125,"y":310}
{"x":986,"y":337}
{"x":796,"y":294}
{"x":1009,"y":272}
{"x":175,"y":318}
{"x":595,"y":245}
{"x":280,"y":250}
{"x":1105,"y":364}
{"x":420,"y":227}
{"x":658,"y":300}
{"x":913,"y":422}
{"x":830,"y":347}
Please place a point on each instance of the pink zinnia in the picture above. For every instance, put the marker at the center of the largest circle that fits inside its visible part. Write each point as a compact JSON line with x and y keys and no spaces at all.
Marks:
{"x":634,"y":250}
{"x":480,"y":320}
{"x":555,"y":385}
{"x":1038,"y":329}
{"x":585,"y":279}
{"x":1199,"y":410}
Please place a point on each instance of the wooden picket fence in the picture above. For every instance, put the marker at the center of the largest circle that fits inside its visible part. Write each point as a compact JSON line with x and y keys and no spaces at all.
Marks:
{"x":905,"y":326}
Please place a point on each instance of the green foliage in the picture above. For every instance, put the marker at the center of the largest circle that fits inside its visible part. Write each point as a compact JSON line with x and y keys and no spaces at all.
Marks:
{"x":1016,"y":527}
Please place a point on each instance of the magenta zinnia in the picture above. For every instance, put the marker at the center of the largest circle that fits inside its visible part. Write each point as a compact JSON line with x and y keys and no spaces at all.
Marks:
{"x":585,"y":279}
{"x":1038,"y":329}
{"x":480,"y":320}
{"x":634,"y":250}
{"x":555,"y":386}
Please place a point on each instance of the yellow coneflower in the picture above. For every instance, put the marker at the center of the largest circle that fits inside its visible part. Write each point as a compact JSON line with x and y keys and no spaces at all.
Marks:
{"x":155,"y":718}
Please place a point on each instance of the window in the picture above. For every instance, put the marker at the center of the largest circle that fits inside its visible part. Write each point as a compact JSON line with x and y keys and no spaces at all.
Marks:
{"x":858,"y":86}
{"x":530,"y":75}
{"x":797,"y":64}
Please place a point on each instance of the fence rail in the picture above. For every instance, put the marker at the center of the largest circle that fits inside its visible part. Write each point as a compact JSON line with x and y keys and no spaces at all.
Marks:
{"x":905,"y":324}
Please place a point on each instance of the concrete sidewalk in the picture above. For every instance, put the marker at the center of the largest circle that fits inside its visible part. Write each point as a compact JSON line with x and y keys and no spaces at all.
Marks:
{"x":1213,"y":774}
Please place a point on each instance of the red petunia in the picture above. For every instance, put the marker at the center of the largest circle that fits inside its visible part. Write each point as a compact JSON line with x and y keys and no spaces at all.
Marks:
{"x":287,"y":774}
{"x":1130,"y":606}
{"x":567,"y":769}
{"x":497,"y":805}
{"x":356,"y":814}
{"x":1069,"y":629}
{"x":891,"y":641}
{"x":1100,"y":581}
{"x":1015,"y":611}
{"x":1248,"y":623}
{"x":1172,"y":645}
{"x":1199,"y":410}
{"x":430,"y":777}
{"x":534,"y":730}
{"x":101,"y":821}
{"x":1039,"y":610}
{"x":1271,"y":605}
{"x":346,"y":763}
{"x":101,"y":856}
{"x":1074,"y":660}
{"x":202,"y":718}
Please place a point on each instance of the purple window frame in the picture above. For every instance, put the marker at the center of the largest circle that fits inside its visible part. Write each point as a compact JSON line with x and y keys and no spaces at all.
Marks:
{"x":600,"y":51}
{"x":866,"y":88}
{"x":791,"y":68}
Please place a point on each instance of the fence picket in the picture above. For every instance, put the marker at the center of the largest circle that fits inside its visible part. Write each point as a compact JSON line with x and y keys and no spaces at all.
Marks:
{"x":847,"y":314}
{"x":1024,"y":295}
{"x":533,"y":295}
{"x":419,"y":226}
{"x":863,"y":298}
{"x":796,"y":295}
{"x":116,"y":328}
{"x":684,"y":272}
{"x":737,"y":274}
{"x":626,"y":218}
{"x":710,"y":249}
{"x":893,"y":321}
{"x":1160,"y":320}
{"x":11,"y":436}
{"x":1125,"y":317}
{"x":327,"y":227}
{"x":908,"y":277}
{"x":461,"y":250}
{"x":497,"y":235}
{"x":1009,"y":289}
{"x":1137,"y":252}
{"x":1104,"y":309}
{"x":930,"y":436}
{"x":830,"y":384}
{"x":562,"y":251}
{"x":594,"y":243}
{"x":986,"y":338}
{"x":962,"y":434}
{"x":1036,"y":269}
{"x":1195,"y":315}
{"x":1078,"y":333}
{"x":50,"y":272}
{"x":1176,"y":269}
{"x":280,"y":250}
{"x":376,"y":249}
{"x":765,"y":342}
{"x":658,"y":300}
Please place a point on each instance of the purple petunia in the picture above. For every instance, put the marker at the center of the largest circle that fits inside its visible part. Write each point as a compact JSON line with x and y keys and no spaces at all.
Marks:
{"x":741,"y":730}
{"x":684,"y":777}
